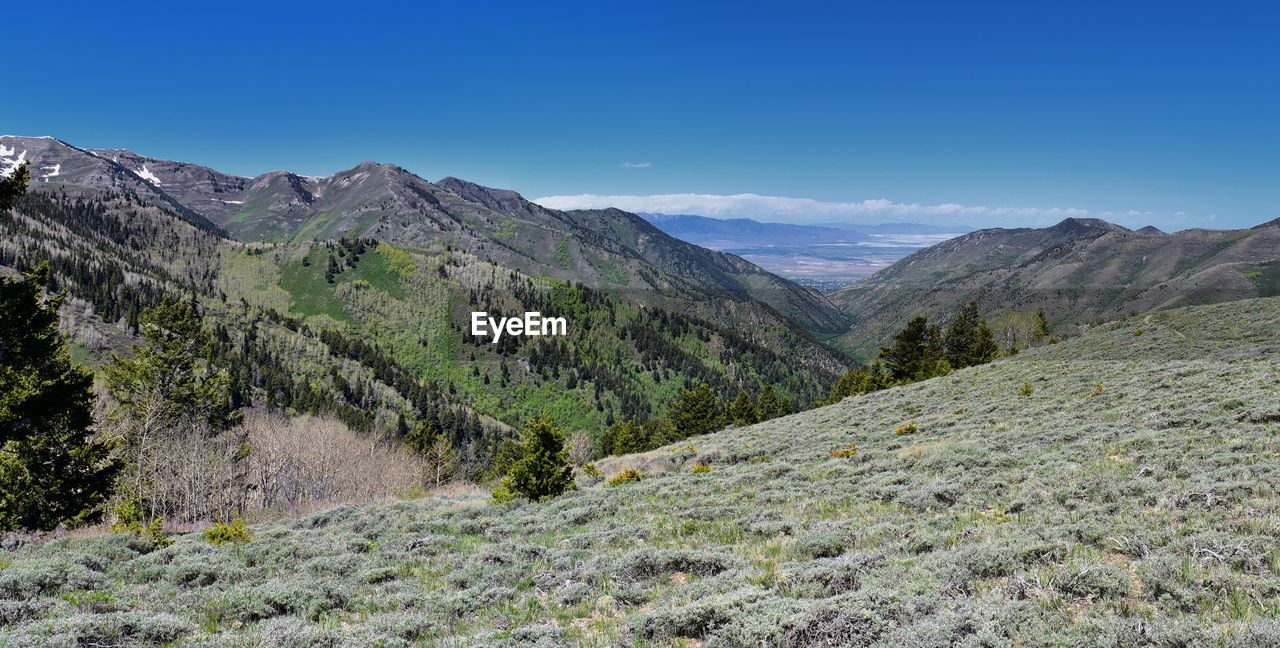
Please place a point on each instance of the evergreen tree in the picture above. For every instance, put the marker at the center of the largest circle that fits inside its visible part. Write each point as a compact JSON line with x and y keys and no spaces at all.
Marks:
{"x":697,"y":411}
{"x":859,"y":381}
{"x":969,"y":340}
{"x":916,"y":353}
{"x":165,"y":391}
{"x":657,"y":432}
{"x":168,"y":379}
{"x":1041,"y":329}
{"x":14,"y":186}
{"x":52,"y":470}
{"x":544,"y":471}
{"x":422,"y":437}
{"x":770,"y":406}
{"x":743,"y":410}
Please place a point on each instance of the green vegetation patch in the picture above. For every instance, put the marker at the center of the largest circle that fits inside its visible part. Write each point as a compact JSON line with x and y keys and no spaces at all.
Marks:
{"x":310,"y":293}
{"x":1266,"y":278}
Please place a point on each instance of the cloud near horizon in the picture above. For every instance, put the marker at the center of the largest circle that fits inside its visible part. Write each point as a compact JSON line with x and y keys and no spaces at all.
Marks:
{"x":807,"y":210}
{"x":637,"y":165}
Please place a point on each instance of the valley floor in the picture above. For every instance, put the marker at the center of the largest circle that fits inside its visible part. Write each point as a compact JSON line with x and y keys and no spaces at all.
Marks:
{"x":1116,"y":489}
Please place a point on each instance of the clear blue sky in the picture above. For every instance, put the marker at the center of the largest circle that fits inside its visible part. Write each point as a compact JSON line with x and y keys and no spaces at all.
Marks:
{"x":1160,"y":107}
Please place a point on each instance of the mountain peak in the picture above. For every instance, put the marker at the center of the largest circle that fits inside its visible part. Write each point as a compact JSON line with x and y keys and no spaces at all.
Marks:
{"x":1074,"y":224}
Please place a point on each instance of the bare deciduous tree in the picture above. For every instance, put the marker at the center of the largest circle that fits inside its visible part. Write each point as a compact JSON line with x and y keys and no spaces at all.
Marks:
{"x":442,"y":461}
{"x":300,"y":462}
{"x":581,"y":448}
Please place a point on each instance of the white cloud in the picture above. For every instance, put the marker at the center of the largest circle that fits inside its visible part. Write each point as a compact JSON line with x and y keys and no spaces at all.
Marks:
{"x":637,"y":165}
{"x":799,"y":210}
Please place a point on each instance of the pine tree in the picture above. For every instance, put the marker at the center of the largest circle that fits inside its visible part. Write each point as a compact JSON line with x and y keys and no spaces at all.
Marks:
{"x":167,"y":390}
{"x":969,"y":340}
{"x":168,"y":379}
{"x":52,"y":470}
{"x":14,"y":186}
{"x":544,"y":471}
{"x":770,"y":406}
{"x":859,"y":381}
{"x":421,"y":438}
{"x":1041,"y":329}
{"x":697,"y":411}
{"x":743,"y":410}
{"x":916,"y":353}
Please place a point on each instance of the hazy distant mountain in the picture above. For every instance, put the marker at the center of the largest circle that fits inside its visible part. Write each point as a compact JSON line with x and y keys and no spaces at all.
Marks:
{"x":1079,"y":271}
{"x":734,"y":233}
{"x":730,"y":233}
{"x":900,"y":228}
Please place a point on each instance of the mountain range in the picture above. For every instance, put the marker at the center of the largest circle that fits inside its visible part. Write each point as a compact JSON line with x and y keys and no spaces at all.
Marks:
{"x":1080,"y":271}
{"x":352,"y":292}
{"x":607,"y":248}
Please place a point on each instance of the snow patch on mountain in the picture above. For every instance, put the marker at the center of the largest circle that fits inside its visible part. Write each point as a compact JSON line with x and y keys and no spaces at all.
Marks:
{"x":53,"y":171}
{"x":147,"y":175}
{"x":8,"y":162}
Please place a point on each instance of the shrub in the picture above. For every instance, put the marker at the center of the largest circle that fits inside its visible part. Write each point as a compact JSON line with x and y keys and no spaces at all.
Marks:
{"x":1026,"y":390}
{"x":829,"y":576}
{"x":543,"y":472}
{"x":700,"y":468}
{"x":626,"y":476}
{"x":128,"y":513}
{"x":906,"y":428}
{"x":109,"y":629}
{"x":1095,"y":582}
{"x":647,"y":563}
{"x":503,"y":493}
{"x":821,"y":543}
{"x":226,"y":532}
{"x":845,"y":453}
{"x":590,"y":470}
{"x":1138,"y":332}
{"x":42,"y":578}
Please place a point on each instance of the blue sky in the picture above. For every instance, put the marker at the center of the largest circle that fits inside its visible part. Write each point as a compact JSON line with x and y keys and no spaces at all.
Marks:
{"x":1004,"y":113}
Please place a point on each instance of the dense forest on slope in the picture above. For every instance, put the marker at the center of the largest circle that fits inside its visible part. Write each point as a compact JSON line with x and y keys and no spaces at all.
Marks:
{"x":377,"y":334}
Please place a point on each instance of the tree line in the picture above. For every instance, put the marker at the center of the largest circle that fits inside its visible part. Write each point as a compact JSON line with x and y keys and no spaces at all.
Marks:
{"x":922,"y":350}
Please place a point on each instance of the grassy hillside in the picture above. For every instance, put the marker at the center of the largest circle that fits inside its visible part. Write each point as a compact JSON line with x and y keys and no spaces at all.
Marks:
{"x":1115,"y":489}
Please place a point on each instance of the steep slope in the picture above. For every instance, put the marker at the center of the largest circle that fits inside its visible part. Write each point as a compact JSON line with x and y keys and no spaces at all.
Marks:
{"x":1079,"y":272}
{"x":379,"y":334}
{"x":56,"y":163}
{"x":1130,"y":499}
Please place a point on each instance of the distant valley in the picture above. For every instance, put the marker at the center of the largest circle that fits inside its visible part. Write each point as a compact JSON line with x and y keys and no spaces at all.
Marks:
{"x":824,"y":257}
